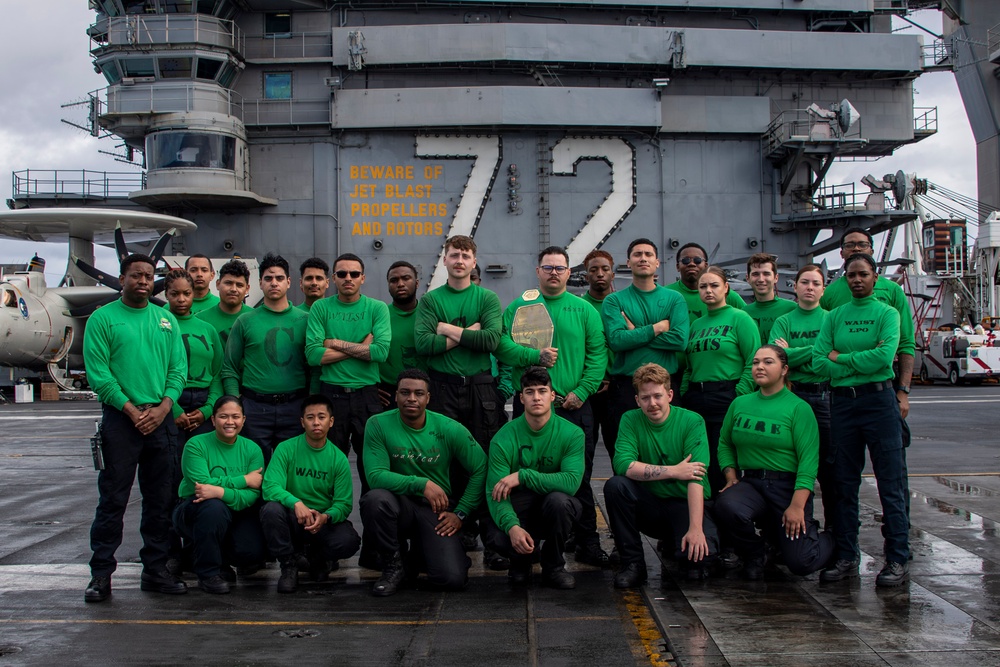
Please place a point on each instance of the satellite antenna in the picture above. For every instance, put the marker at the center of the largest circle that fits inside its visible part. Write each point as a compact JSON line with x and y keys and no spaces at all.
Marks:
{"x":902,"y":187}
{"x":847,"y":115}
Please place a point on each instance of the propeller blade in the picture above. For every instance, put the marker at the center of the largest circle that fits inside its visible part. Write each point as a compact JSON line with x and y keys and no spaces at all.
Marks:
{"x":97,"y":274}
{"x":120,"y":247}
{"x":157,"y":251}
{"x":88,"y":310}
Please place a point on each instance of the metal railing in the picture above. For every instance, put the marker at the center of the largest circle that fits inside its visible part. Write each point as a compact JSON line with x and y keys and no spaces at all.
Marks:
{"x":287,"y":112}
{"x":799,"y":125}
{"x":937,"y":55}
{"x":76,"y":183}
{"x":298,"y":45}
{"x":925,"y":120}
{"x":165,"y":29}
{"x":993,"y":40}
{"x":160,"y":97}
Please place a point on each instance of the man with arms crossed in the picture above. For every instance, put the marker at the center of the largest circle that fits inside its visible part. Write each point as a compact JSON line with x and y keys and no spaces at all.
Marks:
{"x":136,"y":425}
{"x":536,"y":467}
{"x":408,"y":458}
{"x":266,"y":362}
{"x":644,"y":323}
{"x":659,"y":487}
{"x":577,"y":359}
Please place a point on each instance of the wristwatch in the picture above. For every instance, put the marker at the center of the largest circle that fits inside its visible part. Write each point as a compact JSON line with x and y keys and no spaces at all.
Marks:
{"x":461,"y":515}
{"x":903,"y":388}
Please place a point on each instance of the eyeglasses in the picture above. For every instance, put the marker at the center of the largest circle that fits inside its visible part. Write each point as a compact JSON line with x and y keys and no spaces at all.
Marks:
{"x":860,"y":245}
{"x":344,"y":274}
{"x":697,"y":261}
{"x":548,"y":268}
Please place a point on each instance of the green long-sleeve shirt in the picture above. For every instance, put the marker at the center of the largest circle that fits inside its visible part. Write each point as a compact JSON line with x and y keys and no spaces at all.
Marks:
{"x":776,"y":432}
{"x":319,"y":478}
{"x":402,"y":347}
{"x":208,"y":460}
{"x":401,"y":459}
{"x":721,"y":347}
{"x":681,"y":434}
{"x":640,"y":345}
{"x":800,"y":328}
{"x":865,"y":333}
{"x":222,"y":321}
{"x":547,"y":460}
{"x":351,"y":322}
{"x":462,"y":308}
{"x":764,"y":313}
{"x":134,"y":354}
{"x":696,"y":308}
{"x":887,"y":291}
{"x":598,"y":304}
{"x":578,"y":335}
{"x":203,"y":350}
{"x":266,"y":352}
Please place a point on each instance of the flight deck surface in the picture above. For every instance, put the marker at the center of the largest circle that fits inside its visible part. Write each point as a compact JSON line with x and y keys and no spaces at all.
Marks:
{"x":949,"y":614}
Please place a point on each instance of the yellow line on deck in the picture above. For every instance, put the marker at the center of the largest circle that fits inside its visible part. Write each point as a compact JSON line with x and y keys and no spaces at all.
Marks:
{"x":649,"y":633}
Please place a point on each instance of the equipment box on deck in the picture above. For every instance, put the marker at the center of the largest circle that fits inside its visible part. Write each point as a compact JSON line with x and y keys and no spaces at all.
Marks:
{"x":24,"y":393}
{"x":50,"y":391}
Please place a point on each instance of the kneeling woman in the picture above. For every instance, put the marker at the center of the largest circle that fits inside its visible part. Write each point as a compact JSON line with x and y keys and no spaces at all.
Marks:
{"x":221,"y":493}
{"x":772,"y":437}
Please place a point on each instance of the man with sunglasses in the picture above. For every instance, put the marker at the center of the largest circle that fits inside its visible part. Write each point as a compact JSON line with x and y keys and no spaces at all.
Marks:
{"x":348,"y":336}
{"x":644,"y":323}
{"x":265,"y":361}
{"x":577,"y":358}
{"x":692,"y":261}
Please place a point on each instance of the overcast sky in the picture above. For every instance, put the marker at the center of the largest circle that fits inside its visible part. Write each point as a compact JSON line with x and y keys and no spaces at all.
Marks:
{"x":47,"y":64}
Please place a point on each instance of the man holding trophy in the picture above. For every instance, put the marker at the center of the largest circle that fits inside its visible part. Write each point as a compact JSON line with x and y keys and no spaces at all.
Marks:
{"x":550,"y":327}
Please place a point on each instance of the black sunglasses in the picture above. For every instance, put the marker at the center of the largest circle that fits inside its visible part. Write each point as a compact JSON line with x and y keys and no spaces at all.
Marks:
{"x":698,"y":261}
{"x":344,"y":274}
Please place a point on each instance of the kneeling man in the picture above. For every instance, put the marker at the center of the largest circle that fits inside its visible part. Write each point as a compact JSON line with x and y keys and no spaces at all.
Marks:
{"x":536,"y":467}
{"x":308,"y":496}
{"x":659,"y":487}
{"x":408,"y":455}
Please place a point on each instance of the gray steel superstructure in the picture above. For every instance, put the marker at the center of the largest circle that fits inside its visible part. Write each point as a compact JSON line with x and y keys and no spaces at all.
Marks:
{"x":381,"y":128}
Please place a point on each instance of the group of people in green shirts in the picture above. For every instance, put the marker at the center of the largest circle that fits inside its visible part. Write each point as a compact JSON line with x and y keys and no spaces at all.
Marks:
{"x":255,"y":410}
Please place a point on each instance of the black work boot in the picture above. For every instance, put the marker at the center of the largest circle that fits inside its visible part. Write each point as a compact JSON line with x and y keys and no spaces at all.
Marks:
{"x":288,"y":582}
{"x":393,"y":574}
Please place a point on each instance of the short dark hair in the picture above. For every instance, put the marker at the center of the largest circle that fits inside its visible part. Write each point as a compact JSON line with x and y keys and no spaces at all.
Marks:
{"x":761,"y":258}
{"x":317,"y":399}
{"x":349,"y":257}
{"x":782,"y":357}
{"x":400,"y":263}
{"x":594,"y":254}
{"x":224,"y":400}
{"x":553,"y":250}
{"x":314,"y":263}
{"x":704,"y":253}
{"x":414,"y":374}
{"x":535,"y":376}
{"x":656,"y":251}
{"x":271,"y":260}
{"x":135,"y":258}
{"x":862,"y":256}
{"x":173,"y":276}
{"x":461,"y":242}
{"x":235,"y":267}
{"x":187,"y":262}
{"x":857,"y":230}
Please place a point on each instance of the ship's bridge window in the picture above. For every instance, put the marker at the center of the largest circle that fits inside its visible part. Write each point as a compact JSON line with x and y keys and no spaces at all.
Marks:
{"x":277,"y":85}
{"x":138,"y":67}
{"x":278,"y":25}
{"x":208,"y":68}
{"x":175,"y":68}
{"x":228,"y":75}
{"x":111,"y":72}
{"x":176,"y":6}
{"x":171,"y":150}
{"x":9,"y":299}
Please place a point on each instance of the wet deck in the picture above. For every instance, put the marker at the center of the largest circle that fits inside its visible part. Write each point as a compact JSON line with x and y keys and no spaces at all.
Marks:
{"x":948,"y":615}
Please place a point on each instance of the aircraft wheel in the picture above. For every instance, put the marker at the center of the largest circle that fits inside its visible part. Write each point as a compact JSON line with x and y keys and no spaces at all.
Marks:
{"x":924,"y":375}
{"x":953,"y":376}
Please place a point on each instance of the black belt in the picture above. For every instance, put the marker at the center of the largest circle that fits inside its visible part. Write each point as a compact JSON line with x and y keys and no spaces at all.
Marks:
{"x":720,"y":385}
{"x":769,"y":474}
{"x":142,"y":407}
{"x":810,"y":387}
{"x":273,"y":399}
{"x":462,"y":380}
{"x":337,"y":389}
{"x":862,"y":389}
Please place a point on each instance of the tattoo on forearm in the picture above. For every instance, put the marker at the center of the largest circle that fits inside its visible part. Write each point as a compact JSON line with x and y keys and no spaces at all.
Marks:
{"x":652,"y":472}
{"x":360,"y":351}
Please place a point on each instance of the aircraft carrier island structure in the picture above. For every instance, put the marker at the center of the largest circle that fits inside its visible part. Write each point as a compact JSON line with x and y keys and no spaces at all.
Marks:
{"x":314,"y":128}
